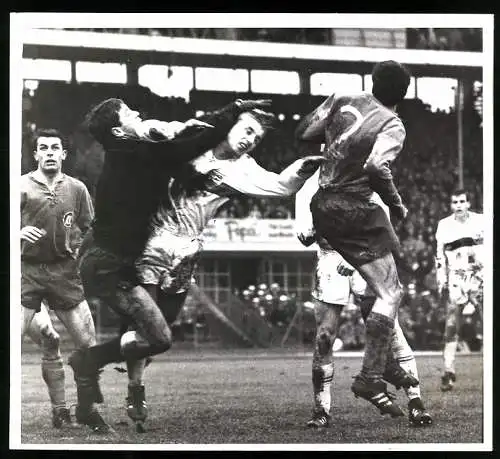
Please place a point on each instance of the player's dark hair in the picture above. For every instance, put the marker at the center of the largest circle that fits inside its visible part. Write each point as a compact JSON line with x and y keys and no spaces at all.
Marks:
{"x":459,"y":191}
{"x":42,"y":132}
{"x":102,"y":118}
{"x":265,"y":119}
{"x":390,"y":82}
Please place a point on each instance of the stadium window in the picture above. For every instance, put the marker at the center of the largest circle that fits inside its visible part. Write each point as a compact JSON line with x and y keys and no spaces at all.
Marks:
{"x":174,"y":81}
{"x":274,"y":82}
{"x":220,"y":79}
{"x":101,"y":72}
{"x":325,"y":84}
{"x":46,"y":69}
{"x":438,"y":93}
{"x":410,"y":94}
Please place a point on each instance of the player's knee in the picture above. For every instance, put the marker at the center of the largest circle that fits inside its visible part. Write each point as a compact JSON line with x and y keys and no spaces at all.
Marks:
{"x":163,"y":343}
{"x":324,"y":340}
{"x":50,"y":346}
{"x":395,"y":294}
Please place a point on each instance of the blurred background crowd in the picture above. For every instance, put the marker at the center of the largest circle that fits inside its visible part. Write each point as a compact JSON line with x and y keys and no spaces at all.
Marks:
{"x":425,"y":173}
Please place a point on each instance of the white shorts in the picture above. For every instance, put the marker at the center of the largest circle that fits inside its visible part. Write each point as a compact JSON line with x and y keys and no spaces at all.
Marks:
{"x":464,"y":286}
{"x":169,"y":261}
{"x":330,"y":287}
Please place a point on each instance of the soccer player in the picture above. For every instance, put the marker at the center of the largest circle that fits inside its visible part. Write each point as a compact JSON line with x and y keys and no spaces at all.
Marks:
{"x":336,"y":284}
{"x":139,"y":158}
{"x":54,"y":208}
{"x":363,"y":135}
{"x":167,"y":264}
{"x":459,"y":241}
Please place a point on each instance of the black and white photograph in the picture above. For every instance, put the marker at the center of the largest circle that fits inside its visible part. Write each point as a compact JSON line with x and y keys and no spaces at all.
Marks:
{"x":251,"y":231}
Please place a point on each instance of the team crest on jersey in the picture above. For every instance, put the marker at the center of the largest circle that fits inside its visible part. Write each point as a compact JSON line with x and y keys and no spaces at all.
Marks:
{"x":68,"y":219}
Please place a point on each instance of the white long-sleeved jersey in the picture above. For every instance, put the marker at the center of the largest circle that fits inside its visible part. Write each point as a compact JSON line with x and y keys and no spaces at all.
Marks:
{"x":172,"y":250}
{"x":459,"y":245}
{"x":188,"y":213}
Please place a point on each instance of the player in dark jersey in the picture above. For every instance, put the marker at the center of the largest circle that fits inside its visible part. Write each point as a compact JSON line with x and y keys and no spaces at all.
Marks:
{"x":362,"y":136}
{"x":140,"y":156}
{"x":168,"y":262}
{"x":55,"y":210}
{"x":337,"y":284}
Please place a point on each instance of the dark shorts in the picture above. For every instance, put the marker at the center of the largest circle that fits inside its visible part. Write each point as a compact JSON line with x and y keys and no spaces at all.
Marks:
{"x":57,"y":283}
{"x":358,"y":229}
{"x":104,"y":272}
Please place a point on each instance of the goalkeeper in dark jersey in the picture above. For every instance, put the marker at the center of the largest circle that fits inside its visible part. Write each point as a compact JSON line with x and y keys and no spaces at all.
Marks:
{"x":139,"y":158}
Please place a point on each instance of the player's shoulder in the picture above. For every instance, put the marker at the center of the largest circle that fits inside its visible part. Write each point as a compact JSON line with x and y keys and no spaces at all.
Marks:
{"x":353,"y":97}
{"x":476,"y":216}
{"x":26,"y":180}
{"x":446,"y":221}
{"x":26,"y":177}
{"x":75,"y":183}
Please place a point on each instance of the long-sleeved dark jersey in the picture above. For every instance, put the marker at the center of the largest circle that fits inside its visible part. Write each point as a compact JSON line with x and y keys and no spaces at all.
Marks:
{"x":134,"y":176}
{"x":362,"y":137}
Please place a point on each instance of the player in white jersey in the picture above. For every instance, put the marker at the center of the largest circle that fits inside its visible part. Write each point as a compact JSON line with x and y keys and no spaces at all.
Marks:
{"x":166,"y":266}
{"x":459,"y":264}
{"x":336,"y":285}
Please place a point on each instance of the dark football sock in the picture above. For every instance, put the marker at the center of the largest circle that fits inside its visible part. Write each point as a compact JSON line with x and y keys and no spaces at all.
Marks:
{"x":102,"y":354}
{"x":378,"y":338}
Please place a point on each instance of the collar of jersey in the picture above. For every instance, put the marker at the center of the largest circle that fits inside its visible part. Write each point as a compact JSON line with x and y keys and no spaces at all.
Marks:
{"x":39,"y":177}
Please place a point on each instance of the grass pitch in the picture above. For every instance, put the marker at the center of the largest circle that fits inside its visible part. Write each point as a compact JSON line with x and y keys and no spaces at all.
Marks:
{"x":251,"y":397}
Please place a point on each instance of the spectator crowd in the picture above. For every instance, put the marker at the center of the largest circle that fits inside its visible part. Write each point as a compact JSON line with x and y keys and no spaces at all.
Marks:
{"x":425,"y":173}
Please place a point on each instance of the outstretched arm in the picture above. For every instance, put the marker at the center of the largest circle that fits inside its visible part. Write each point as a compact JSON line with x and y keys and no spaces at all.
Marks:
{"x":312,"y":126}
{"x":247,"y":177}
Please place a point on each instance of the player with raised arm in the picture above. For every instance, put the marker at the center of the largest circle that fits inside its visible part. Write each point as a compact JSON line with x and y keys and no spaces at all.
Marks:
{"x":337,"y":284}
{"x":459,"y":264}
{"x":363,"y":135}
{"x":56,"y":210}
{"x":139,"y":157}
{"x":193,"y":198}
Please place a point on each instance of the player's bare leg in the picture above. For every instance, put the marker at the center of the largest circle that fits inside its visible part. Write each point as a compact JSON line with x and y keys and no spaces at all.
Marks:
{"x":452,"y":326}
{"x":382,"y":277}
{"x":137,"y":409}
{"x":42,"y":332}
{"x":153,"y":335}
{"x":327,"y":325}
{"x":150,"y":335}
{"x":80,"y":326}
{"x":26,"y":319}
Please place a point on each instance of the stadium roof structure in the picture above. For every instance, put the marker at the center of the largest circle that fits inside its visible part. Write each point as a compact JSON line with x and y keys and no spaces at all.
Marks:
{"x":136,"y":50}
